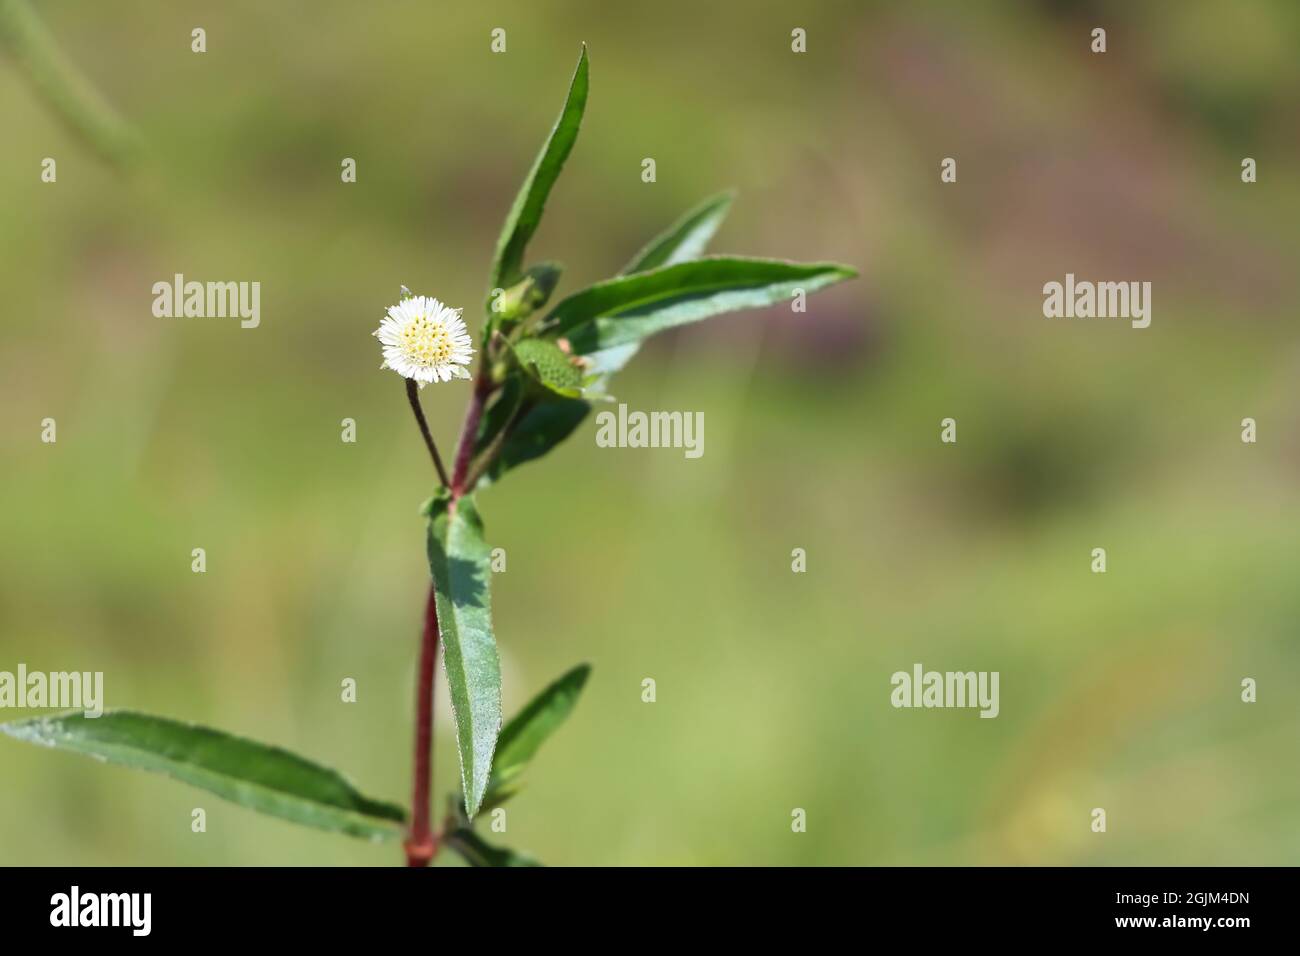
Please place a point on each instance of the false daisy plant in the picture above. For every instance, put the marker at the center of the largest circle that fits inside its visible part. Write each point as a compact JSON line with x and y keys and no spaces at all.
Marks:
{"x":539,"y":370}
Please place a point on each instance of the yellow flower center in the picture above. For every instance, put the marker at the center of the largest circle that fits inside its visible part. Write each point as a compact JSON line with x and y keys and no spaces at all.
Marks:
{"x":425,"y":343}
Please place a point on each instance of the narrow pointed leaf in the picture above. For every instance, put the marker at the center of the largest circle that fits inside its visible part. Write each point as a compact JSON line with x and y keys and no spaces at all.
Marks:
{"x":253,"y":775}
{"x":685,"y":239}
{"x":528,"y":729}
{"x":526,"y":212}
{"x":478,"y":852}
{"x":631,"y":308}
{"x":459,"y":561}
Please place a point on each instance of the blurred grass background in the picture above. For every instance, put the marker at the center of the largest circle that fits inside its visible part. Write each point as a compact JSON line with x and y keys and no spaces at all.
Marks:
{"x":1118,"y":690}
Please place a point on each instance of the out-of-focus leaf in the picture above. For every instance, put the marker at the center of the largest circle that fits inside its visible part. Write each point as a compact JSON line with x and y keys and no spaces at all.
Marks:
{"x":685,"y":239}
{"x":253,"y":775}
{"x":56,"y":77}
{"x":459,"y":561}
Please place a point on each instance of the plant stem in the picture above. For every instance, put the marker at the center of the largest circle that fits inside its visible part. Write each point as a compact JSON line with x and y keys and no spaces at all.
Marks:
{"x":413,"y":396}
{"x":422,"y":843}
{"x":469,"y":432}
{"x":484,"y":461}
{"x":421,"y":846}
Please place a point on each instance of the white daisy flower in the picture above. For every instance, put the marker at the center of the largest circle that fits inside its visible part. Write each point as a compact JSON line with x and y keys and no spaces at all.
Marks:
{"x":425,"y":340}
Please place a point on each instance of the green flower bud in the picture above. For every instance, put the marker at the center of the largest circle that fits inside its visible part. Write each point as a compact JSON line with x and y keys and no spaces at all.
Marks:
{"x":528,"y":294}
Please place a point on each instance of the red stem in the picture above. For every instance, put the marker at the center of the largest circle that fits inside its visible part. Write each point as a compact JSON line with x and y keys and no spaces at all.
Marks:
{"x":469,"y":433}
{"x":421,"y":846}
{"x":422,"y":843}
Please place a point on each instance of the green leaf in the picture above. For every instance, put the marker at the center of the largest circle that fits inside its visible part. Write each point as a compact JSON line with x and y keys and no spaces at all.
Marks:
{"x":526,"y":212}
{"x":522,"y":423}
{"x":550,"y":366}
{"x":631,"y":308}
{"x":605,"y":362}
{"x":242,"y":771}
{"x":478,"y":852}
{"x":459,"y":563}
{"x":499,"y":413}
{"x":529,"y":729}
{"x":539,"y":429}
{"x":685,"y":239}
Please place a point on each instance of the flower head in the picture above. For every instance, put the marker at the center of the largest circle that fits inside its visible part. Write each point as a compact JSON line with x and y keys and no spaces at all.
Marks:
{"x":425,"y":340}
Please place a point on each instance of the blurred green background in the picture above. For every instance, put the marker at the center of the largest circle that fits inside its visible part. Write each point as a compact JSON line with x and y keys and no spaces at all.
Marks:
{"x":822,"y":430}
